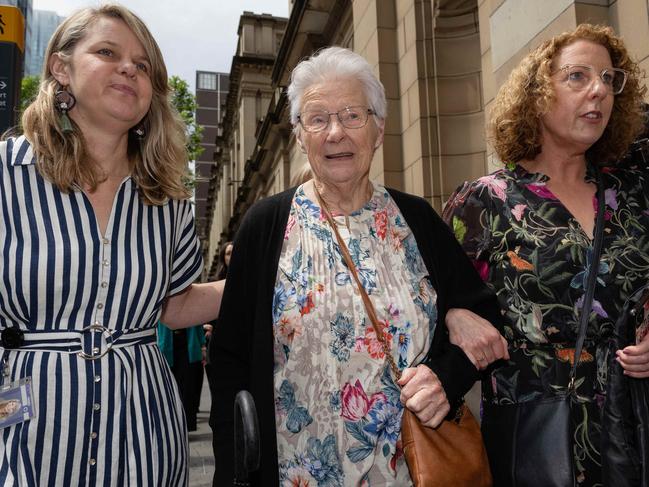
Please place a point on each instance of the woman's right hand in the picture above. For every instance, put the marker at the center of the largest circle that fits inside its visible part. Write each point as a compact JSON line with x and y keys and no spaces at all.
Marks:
{"x":480,"y":340}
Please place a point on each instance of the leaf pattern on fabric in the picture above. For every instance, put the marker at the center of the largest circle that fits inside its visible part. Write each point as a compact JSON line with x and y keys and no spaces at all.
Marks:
{"x":537,"y":258}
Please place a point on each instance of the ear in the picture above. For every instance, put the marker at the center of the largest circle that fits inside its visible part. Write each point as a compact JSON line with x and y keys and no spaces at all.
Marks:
{"x":380,"y":126}
{"x":300,"y":142}
{"x":59,"y":70}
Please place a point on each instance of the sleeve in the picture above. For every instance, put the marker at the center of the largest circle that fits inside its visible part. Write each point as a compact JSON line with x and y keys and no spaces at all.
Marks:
{"x":187,"y":259}
{"x":230,"y":347}
{"x":467,"y":213}
{"x":459,"y":286}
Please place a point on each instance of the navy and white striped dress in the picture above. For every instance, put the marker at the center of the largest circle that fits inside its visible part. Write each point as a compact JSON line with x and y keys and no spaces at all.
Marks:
{"x":116,"y":420}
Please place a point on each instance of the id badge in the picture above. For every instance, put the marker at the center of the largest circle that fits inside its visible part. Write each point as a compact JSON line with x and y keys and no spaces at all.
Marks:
{"x":16,"y":402}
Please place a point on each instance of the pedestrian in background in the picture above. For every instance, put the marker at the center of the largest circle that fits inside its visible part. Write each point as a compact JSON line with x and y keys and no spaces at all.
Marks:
{"x":185,"y":352}
{"x":98,"y":244}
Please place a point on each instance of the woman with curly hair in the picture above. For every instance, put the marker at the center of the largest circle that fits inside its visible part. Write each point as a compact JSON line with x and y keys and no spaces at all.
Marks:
{"x":564,"y":117}
{"x":98,"y":244}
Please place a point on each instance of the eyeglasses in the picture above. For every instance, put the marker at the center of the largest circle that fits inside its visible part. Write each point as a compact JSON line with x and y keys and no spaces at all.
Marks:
{"x":581,"y":76}
{"x":349,"y":117}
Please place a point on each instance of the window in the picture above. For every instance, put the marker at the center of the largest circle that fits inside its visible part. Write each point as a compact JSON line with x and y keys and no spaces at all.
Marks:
{"x":206,"y":81}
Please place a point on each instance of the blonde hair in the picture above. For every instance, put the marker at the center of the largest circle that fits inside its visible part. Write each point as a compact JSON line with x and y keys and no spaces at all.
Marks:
{"x":514,"y":128}
{"x":159,"y":161}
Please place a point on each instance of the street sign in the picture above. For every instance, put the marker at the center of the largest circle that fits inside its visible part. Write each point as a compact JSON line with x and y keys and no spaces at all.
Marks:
{"x":10,"y":75}
{"x":12,"y":26}
{"x":12,"y":52}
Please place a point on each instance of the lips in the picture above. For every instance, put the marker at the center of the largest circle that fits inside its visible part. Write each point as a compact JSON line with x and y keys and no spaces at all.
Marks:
{"x":592,"y":115}
{"x":124,"y":89}
{"x":340,"y":155}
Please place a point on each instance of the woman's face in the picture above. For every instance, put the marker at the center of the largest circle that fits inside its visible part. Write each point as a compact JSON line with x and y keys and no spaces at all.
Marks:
{"x":339,"y":155}
{"x":108,"y":73}
{"x":577,"y":119}
{"x":227,"y":254}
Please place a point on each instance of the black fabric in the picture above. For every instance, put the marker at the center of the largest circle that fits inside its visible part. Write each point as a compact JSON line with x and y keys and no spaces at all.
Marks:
{"x":534,"y":456}
{"x":241,"y":353}
{"x":189,"y":377}
{"x":522,"y":454}
{"x":625,"y":417}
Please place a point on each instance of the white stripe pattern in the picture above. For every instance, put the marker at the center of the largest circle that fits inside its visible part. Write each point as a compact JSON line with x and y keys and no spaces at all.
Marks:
{"x":118,"y":420}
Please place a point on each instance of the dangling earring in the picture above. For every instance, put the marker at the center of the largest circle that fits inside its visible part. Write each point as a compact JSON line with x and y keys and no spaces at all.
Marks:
{"x":64,"y":101}
{"x":139,"y":131}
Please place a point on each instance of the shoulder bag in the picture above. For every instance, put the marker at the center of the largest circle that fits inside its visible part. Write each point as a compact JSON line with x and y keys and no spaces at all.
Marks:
{"x":452,"y":454}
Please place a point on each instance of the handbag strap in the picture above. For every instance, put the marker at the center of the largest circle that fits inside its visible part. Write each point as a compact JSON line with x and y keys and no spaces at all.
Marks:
{"x":592,"y":279}
{"x":369,"y":307}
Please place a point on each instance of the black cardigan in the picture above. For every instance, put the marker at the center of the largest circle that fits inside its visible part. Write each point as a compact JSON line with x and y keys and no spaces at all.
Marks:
{"x":241,"y":352}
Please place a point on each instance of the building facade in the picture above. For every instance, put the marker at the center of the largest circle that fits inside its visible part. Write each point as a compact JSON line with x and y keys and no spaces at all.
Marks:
{"x":246,"y":107}
{"x":211,"y":93}
{"x":441,"y":62}
{"x":44,"y":23}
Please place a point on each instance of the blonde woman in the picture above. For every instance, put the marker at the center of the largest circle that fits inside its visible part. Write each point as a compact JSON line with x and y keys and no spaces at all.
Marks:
{"x":98,"y":245}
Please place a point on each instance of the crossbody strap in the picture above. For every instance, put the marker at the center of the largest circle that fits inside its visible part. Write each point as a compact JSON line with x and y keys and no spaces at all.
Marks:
{"x":369,"y":307}
{"x":592,"y":279}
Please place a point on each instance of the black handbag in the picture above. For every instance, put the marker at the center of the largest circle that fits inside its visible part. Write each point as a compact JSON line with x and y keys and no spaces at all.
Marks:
{"x":529,"y":444}
{"x":625,"y":417}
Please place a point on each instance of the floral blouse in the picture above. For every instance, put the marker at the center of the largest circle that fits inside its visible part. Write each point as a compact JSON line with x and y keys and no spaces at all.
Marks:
{"x":338,"y":414}
{"x":536,"y":256}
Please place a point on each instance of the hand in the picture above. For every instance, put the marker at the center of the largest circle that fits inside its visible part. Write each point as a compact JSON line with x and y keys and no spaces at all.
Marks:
{"x":480,"y":340}
{"x":634,"y":359}
{"x":207,"y":328}
{"x":423,"y":394}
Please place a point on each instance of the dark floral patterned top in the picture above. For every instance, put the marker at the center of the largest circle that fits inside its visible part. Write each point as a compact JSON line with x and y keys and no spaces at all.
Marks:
{"x":536,"y":256}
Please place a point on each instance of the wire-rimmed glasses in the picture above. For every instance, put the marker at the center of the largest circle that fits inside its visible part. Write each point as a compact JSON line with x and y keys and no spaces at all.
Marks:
{"x":349,"y":117}
{"x":581,"y":76}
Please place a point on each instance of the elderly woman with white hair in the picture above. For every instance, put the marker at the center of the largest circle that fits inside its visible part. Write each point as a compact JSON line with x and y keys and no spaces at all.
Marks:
{"x":328,"y":402}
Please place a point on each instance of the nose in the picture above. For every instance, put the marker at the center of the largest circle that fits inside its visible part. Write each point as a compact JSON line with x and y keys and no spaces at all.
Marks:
{"x":128,"y":68}
{"x":598,"y":88}
{"x":335,"y":131}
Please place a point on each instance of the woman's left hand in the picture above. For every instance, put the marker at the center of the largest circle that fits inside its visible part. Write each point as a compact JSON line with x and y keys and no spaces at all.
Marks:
{"x":634,"y":359}
{"x":423,"y":394}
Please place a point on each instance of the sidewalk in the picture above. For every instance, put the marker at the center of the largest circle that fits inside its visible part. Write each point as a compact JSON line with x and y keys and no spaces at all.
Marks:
{"x":201,"y":459}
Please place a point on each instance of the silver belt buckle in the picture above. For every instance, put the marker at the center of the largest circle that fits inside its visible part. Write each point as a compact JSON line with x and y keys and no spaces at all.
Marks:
{"x":97,"y":353}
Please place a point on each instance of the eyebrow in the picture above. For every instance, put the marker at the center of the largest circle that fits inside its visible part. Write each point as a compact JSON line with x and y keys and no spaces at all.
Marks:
{"x":141,"y":57}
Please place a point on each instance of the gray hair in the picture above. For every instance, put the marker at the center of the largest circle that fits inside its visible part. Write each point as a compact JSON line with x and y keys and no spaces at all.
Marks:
{"x":335,"y":63}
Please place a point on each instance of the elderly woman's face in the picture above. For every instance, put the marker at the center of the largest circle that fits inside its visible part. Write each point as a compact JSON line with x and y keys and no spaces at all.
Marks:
{"x":339,"y":155}
{"x":577,"y":118}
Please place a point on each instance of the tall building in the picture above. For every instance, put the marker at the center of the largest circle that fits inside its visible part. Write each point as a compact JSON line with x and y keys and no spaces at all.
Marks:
{"x":211,"y":93}
{"x":44,"y":23}
{"x":441,"y":62}
{"x":246,"y":110}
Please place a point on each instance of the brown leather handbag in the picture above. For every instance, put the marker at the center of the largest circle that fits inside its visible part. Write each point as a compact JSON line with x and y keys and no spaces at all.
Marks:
{"x":451,"y":455}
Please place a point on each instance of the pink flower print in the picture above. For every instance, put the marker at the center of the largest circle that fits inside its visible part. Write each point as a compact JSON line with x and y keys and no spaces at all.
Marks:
{"x":610,"y":197}
{"x":483,"y":269}
{"x":607,"y":213}
{"x":355,"y":403}
{"x":541,"y":190}
{"x":518,"y":211}
{"x":374,"y":347}
{"x":381,"y":222}
{"x":289,"y":226}
{"x":496,"y":187}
